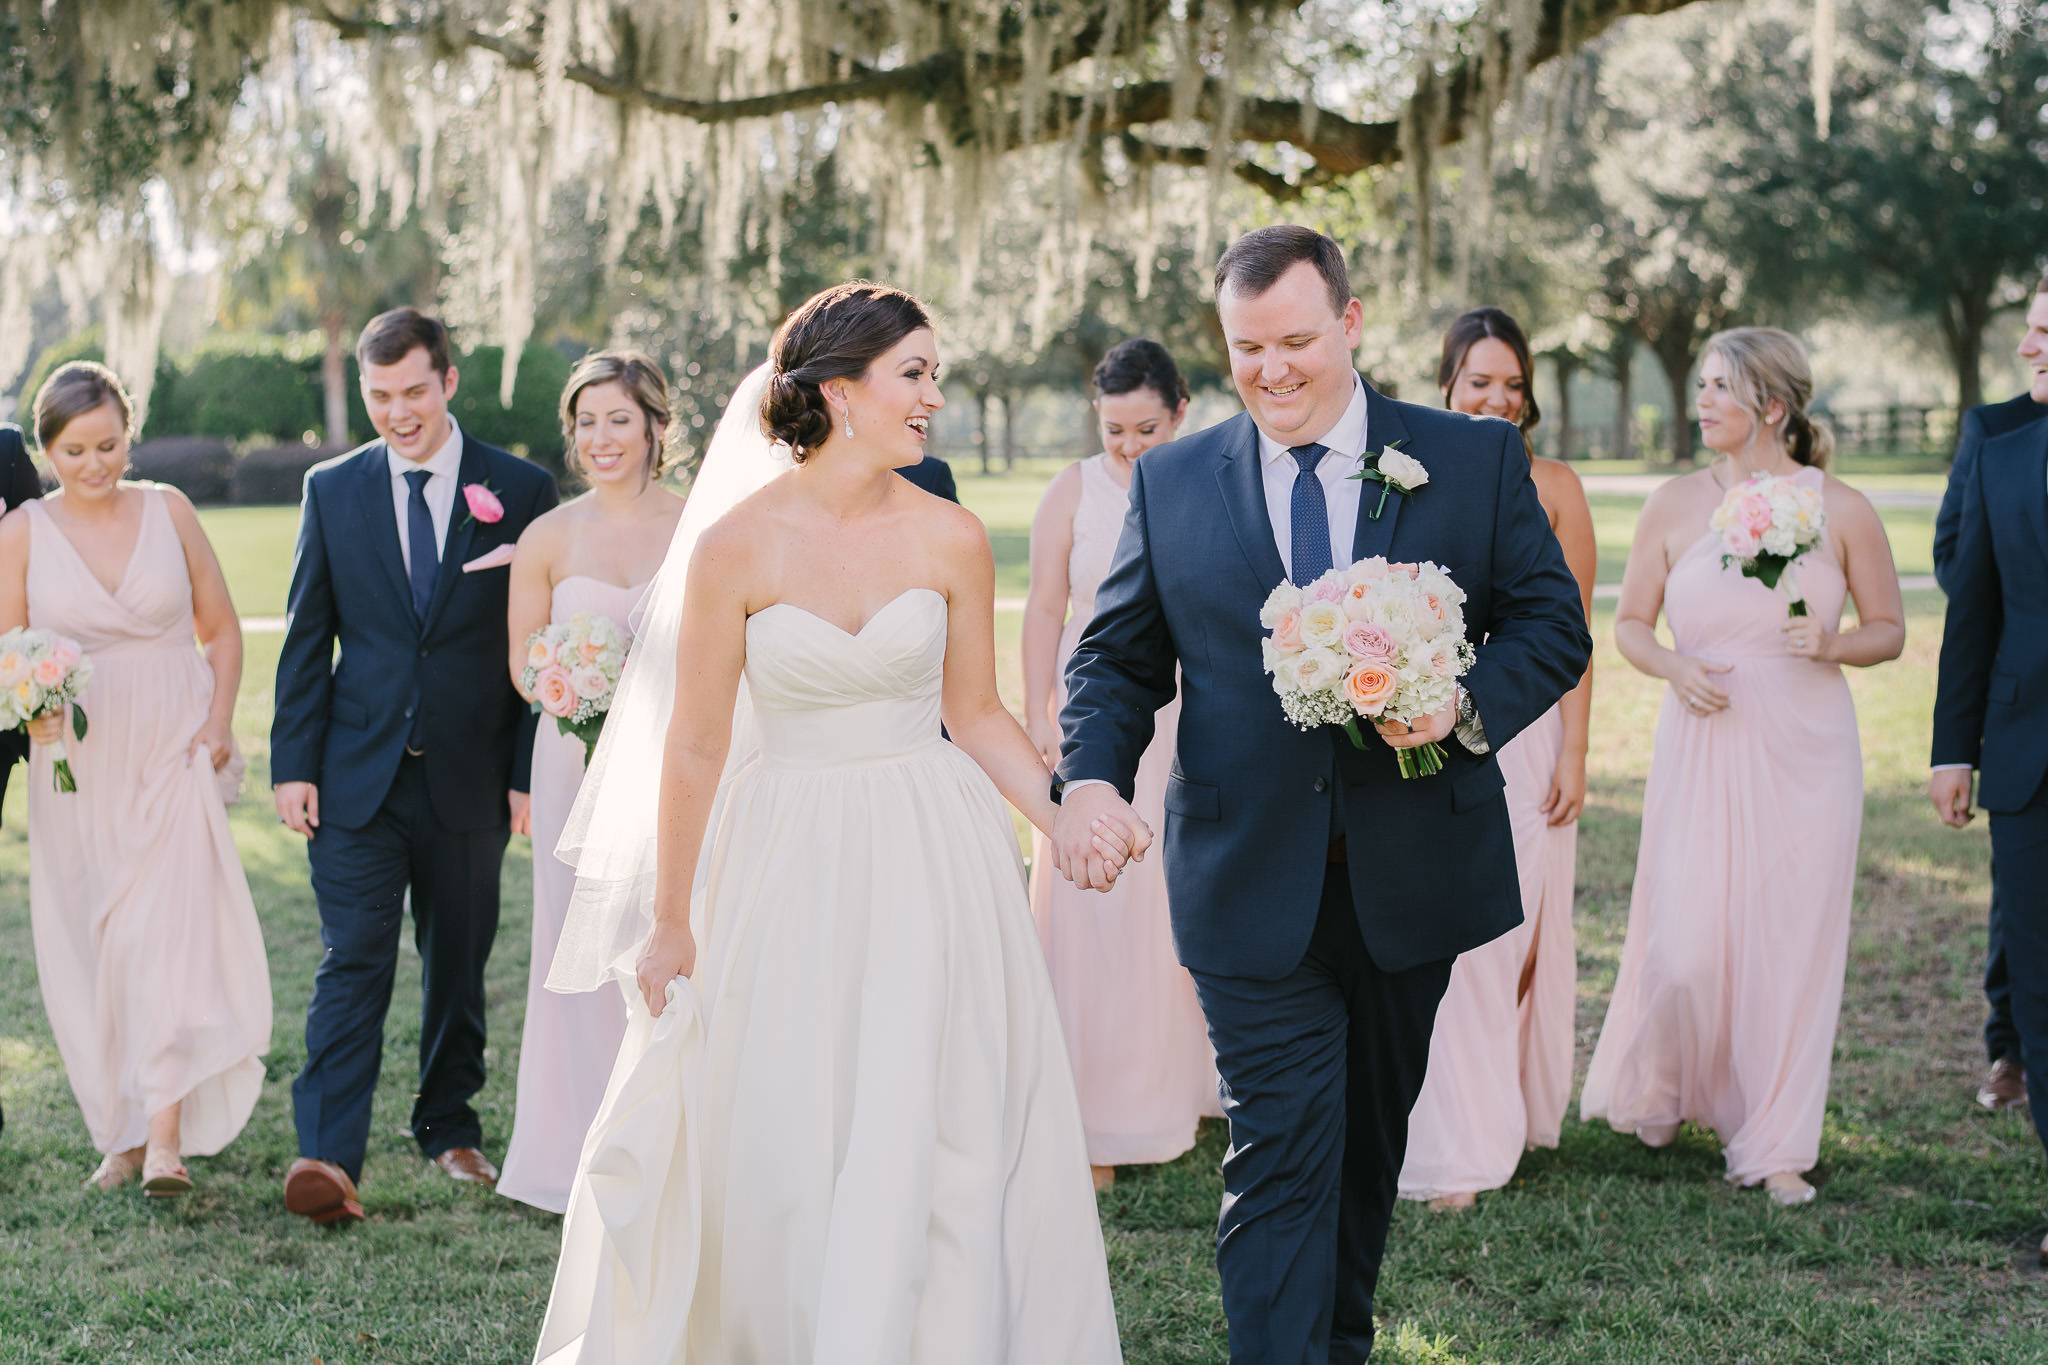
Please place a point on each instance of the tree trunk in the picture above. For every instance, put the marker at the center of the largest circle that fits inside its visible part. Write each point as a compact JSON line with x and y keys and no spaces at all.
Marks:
{"x":1623,"y":354}
{"x":334,"y":380}
{"x":1009,"y":430}
{"x":1674,"y":352}
{"x":1963,"y":320}
{"x":981,"y":395}
{"x":1566,"y":365}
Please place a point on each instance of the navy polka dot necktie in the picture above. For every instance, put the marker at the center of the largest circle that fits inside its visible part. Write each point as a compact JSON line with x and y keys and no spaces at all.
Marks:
{"x":1309,"y":517}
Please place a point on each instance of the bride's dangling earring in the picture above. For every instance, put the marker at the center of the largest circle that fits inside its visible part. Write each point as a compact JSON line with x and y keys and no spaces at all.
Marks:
{"x":849,"y":426}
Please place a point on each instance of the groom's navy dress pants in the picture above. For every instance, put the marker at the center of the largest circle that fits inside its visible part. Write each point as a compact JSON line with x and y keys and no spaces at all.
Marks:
{"x":2019,"y":870}
{"x":360,"y":877}
{"x":1320,"y":1069}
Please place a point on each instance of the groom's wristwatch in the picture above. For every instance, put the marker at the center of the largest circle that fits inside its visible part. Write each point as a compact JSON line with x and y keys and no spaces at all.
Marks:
{"x":1470,"y":732}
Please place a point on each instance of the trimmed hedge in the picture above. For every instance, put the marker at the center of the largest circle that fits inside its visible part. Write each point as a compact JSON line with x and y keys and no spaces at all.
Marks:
{"x":201,"y":468}
{"x":277,"y":474}
{"x":267,"y":392}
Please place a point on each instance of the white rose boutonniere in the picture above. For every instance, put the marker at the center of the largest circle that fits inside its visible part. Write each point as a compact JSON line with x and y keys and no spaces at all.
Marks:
{"x":1391,"y":468}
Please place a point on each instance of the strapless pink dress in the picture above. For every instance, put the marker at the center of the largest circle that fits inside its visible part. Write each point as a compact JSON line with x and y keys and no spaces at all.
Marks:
{"x":570,"y":1041}
{"x":1724,"y":1011}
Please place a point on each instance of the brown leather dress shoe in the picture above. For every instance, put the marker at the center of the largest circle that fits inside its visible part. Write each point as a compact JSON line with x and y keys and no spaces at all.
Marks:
{"x":468,"y":1165}
{"x":2005,"y":1087}
{"x":321,"y":1191}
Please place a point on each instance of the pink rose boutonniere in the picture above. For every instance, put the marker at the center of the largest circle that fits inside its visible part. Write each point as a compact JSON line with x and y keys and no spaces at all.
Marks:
{"x":483,"y":504}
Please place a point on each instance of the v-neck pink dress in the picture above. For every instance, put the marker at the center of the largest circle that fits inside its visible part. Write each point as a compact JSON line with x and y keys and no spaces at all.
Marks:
{"x":147,"y":946}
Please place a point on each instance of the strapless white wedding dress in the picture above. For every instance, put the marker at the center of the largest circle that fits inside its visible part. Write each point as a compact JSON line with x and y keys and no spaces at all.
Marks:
{"x":853,"y":1139}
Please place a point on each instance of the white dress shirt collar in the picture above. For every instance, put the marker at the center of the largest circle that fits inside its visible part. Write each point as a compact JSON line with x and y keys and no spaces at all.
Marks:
{"x":447,"y":461}
{"x":1346,"y":439}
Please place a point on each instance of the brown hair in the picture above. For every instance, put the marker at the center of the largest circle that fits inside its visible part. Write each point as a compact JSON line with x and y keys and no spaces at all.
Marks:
{"x":1255,"y":262}
{"x":73,"y":391}
{"x":1141,"y":363}
{"x":639,"y":375}
{"x":390,"y":337}
{"x":836,"y":334}
{"x":1765,"y":363}
{"x":1468,"y":331}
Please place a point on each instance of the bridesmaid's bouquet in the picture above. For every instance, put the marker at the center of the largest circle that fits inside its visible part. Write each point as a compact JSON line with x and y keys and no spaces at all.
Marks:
{"x":1765,"y":525}
{"x":572,"y":671}
{"x":1378,"y":640}
{"x":41,"y":672}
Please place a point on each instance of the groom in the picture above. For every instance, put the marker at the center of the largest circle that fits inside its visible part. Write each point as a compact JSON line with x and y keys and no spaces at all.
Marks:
{"x":1317,"y":898}
{"x":404,"y":763}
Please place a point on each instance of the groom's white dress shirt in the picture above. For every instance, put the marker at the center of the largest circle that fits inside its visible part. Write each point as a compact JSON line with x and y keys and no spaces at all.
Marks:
{"x":1277,"y":471}
{"x":444,"y":474}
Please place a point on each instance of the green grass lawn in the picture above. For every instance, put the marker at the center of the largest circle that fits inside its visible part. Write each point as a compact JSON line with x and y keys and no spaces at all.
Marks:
{"x":1920,"y":1248}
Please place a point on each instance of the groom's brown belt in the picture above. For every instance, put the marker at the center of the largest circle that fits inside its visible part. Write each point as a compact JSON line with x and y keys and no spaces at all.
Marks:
{"x":1337,"y":851}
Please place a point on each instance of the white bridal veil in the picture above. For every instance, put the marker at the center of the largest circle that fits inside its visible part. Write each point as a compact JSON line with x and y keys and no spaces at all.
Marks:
{"x":610,"y":837}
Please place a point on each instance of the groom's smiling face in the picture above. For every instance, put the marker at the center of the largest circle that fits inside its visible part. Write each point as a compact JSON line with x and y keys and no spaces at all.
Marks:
{"x":1290,"y":353}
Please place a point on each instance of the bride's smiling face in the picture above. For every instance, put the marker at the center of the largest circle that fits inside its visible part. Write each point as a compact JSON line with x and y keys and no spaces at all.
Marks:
{"x":890,"y":407}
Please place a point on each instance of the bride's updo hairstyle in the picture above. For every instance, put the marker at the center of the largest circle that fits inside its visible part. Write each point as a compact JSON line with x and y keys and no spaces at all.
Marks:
{"x":836,"y":334}
{"x":1764,"y":363}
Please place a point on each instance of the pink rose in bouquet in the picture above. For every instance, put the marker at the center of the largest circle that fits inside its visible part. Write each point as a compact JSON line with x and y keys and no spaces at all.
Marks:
{"x":1765,"y":525}
{"x":555,"y":691}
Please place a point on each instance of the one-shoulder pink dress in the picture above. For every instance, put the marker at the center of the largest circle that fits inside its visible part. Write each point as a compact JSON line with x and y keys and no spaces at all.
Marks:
{"x":570,"y":1041}
{"x":1725,"y":1008}
{"x":1140,"y":1049}
{"x":147,"y":946}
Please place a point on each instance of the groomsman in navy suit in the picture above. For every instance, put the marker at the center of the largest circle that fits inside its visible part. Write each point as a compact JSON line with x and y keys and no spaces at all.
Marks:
{"x":18,"y":483}
{"x":1993,"y":692}
{"x":2005,"y":1085}
{"x":405,"y":762}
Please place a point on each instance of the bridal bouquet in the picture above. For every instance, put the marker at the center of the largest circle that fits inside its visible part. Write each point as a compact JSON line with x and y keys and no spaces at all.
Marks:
{"x":1378,"y":640}
{"x":41,"y":672}
{"x":1765,"y":525}
{"x":572,"y":670}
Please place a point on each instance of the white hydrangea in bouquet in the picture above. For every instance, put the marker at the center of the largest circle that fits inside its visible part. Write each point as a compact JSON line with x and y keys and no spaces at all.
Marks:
{"x":41,"y":672}
{"x":572,"y":673}
{"x":1378,"y":640}
{"x":1765,"y":525}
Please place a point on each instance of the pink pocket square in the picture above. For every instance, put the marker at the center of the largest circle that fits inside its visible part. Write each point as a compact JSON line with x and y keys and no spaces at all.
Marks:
{"x":496,"y":559}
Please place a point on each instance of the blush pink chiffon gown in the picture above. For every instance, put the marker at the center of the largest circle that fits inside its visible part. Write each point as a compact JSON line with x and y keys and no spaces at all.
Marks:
{"x":1134,"y":1029}
{"x":569,"y":1043}
{"x":1725,"y":1008}
{"x":1500,"y":1059}
{"x":147,"y":946}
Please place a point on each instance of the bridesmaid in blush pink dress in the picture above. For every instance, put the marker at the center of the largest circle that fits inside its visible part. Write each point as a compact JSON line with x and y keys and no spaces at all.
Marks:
{"x":147,"y":947}
{"x":1500,"y":1058}
{"x":1725,"y":1007}
{"x":1134,"y":1029}
{"x":595,"y":554}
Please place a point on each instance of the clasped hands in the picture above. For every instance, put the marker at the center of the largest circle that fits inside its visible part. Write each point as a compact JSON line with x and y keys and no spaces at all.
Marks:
{"x":1095,"y":835}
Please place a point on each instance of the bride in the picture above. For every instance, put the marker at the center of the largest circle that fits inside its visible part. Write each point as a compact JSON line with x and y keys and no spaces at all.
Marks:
{"x":841,"y":1128}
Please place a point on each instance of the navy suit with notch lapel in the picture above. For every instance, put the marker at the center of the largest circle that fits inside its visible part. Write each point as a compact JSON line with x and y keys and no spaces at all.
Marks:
{"x":432,"y":825}
{"x":1989,"y":699}
{"x":1981,"y":424}
{"x":1319,"y":979}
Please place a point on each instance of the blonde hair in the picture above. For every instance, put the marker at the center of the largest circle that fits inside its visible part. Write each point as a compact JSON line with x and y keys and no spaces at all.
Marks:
{"x":74,"y":390}
{"x":1765,"y":363}
{"x":640,"y":377}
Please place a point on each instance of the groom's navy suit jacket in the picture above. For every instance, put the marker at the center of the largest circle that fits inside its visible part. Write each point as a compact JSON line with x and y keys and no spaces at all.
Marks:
{"x":344,"y":726}
{"x":1249,"y":800}
{"x":1993,"y":687}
